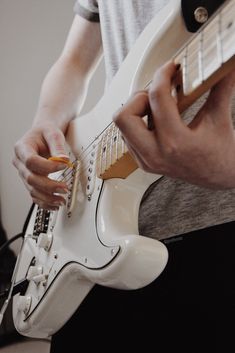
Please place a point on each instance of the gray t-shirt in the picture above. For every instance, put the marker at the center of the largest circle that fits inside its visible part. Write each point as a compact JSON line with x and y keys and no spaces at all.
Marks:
{"x":169,"y":207}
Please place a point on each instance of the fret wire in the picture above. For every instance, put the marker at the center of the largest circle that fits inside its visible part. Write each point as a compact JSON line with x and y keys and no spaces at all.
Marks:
{"x":109,"y":146}
{"x":220,"y":38}
{"x":103,"y":152}
{"x":117,"y":137}
{"x":208,"y":50}
{"x":200,"y":56}
{"x":111,"y":149}
{"x":123,"y":145}
{"x":185,"y":68}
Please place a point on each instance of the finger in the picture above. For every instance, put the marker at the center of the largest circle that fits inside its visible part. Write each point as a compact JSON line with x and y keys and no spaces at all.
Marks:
{"x":47,"y":197}
{"x":48,"y":200}
{"x":45,"y":206}
{"x":35,"y":163}
{"x":42,"y":183}
{"x":140,"y":160}
{"x":133,"y":128}
{"x":167,"y":119}
{"x":46,"y":185}
{"x":56,"y":142}
{"x":136,"y":105}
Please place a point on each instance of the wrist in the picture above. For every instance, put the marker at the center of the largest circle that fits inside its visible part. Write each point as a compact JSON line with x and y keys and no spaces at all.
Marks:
{"x":47,"y":116}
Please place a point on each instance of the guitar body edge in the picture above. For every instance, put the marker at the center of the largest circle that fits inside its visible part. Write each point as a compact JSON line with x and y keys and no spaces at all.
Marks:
{"x":124,"y":259}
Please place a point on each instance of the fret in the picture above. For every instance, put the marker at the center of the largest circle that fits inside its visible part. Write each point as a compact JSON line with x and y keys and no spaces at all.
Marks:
{"x":200,"y":61}
{"x":213,"y":45}
{"x":119,"y":142}
{"x":192,"y":65}
{"x":118,"y":145}
{"x":219,"y":39}
{"x":211,"y":49}
{"x":109,"y":147}
{"x":114,"y":159}
{"x":185,"y":70}
{"x":103,"y":153}
{"x":113,"y":143}
{"x":204,"y":60}
{"x":121,"y":147}
{"x":228,"y":31}
{"x":116,"y":142}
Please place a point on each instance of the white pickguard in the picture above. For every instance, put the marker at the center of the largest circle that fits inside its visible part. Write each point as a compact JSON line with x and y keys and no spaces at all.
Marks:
{"x":99,"y":243}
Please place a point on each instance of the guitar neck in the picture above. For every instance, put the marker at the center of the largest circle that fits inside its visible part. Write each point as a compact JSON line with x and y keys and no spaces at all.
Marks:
{"x":207,"y":58}
{"x":204,"y":60}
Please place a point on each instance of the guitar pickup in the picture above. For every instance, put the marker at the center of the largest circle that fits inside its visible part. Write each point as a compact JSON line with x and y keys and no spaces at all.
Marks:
{"x":73,"y":187}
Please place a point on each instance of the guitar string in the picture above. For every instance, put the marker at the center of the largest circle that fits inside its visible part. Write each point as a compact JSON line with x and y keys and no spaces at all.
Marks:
{"x":68,"y":173}
{"x":106,"y":151}
{"x":87,"y":152}
{"x":68,"y":169}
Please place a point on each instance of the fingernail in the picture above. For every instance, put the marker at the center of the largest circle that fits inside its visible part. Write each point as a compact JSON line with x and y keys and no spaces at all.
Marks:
{"x":61,"y":166}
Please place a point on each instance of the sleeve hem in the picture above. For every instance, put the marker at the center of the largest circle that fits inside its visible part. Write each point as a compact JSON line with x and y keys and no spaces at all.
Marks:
{"x":88,"y":15}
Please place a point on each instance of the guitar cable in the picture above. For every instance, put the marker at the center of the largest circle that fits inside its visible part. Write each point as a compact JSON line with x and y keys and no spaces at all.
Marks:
{"x":9,"y":241}
{"x":4,"y":294}
{"x":20,"y":286}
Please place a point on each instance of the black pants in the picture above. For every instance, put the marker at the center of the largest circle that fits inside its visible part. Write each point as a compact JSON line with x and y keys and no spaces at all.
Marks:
{"x":189,"y":308}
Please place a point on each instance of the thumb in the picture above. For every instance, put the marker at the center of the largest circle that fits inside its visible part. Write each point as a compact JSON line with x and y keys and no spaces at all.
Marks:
{"x":55,"y":140}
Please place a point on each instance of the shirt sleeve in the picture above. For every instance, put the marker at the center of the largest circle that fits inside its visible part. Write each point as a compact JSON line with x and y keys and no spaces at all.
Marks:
{"x":87,"y":9}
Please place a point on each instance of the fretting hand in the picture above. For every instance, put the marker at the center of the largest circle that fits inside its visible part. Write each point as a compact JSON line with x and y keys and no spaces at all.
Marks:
{"x":201,"y":153}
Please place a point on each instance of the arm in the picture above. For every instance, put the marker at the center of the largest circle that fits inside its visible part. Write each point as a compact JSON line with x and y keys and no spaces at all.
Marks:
{"x":62,"y":95}
{"x":201,"y":153}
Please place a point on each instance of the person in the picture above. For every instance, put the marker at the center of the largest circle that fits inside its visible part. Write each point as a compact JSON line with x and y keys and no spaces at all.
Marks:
{"x":189,"y":307}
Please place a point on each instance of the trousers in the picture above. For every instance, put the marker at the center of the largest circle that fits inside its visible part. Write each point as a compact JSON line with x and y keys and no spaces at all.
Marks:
{"x":189,"y":308}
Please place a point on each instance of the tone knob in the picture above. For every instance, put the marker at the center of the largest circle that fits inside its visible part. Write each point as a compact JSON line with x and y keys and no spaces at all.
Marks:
{"x":24,"y":303}
{"x":34,"y":271}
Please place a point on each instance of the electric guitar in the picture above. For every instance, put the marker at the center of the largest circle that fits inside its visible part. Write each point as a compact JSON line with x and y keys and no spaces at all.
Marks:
{"x":95,"y":238}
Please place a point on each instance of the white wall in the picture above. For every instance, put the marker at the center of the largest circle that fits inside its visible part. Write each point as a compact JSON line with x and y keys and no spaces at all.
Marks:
{"x":32,"y":34}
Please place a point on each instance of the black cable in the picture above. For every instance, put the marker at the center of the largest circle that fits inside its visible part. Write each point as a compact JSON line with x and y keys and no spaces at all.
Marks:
{"x":19,"y":287}
{"x":9,"y":241}
{"x":20,"y":235}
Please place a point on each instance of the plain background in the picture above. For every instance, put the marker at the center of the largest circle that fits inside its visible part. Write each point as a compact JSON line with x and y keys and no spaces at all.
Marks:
{"x":32,"y":35}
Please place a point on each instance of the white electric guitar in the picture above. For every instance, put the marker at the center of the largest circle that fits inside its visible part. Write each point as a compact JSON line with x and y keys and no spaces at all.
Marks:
{"x":95,"y":238}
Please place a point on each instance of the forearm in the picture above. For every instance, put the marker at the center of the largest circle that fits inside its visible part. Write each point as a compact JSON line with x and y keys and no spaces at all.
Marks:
{"x":65,"y":86}
{"x":61,"y":98}
{"x":62,"y":93}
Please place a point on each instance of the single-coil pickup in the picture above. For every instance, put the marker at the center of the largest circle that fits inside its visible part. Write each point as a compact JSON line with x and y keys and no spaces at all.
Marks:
{"x":91,"y":170}
{"x":73,"y":186}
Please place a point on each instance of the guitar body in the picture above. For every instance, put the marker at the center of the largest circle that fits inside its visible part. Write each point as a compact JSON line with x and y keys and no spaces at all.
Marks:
{"x":95,"y":239}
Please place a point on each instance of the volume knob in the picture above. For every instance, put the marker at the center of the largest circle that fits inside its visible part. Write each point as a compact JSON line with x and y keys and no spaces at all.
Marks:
{"x":45,"y":241}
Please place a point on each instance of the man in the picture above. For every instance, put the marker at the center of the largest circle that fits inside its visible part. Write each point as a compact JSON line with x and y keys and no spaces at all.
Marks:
{"x":190,"y":209}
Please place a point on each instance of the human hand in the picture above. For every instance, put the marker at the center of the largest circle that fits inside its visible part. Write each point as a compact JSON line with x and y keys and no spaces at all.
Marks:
{"x":201,"y":153}
{"x":31,"y":160}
